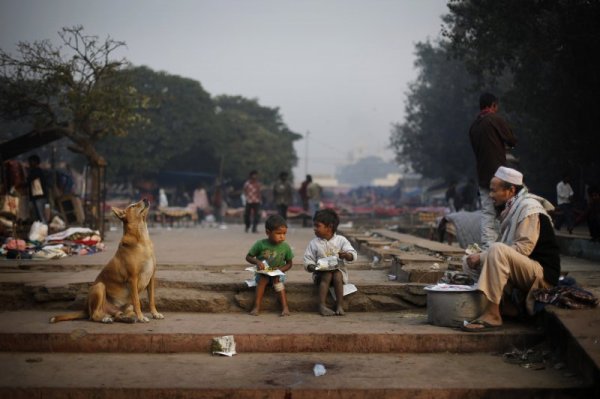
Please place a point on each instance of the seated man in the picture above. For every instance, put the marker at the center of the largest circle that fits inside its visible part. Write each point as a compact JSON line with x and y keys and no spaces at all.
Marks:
{"x":526,"y":256}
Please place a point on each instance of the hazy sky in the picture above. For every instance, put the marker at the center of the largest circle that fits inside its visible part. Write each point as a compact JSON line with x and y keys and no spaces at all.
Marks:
{"x":338,"y":69}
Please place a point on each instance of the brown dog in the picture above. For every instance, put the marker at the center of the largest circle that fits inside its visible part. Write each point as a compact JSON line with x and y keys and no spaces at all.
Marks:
{"x":115,"y":295}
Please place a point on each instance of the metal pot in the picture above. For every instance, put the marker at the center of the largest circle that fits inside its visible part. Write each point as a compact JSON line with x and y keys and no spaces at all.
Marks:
{"x":450,"y":308}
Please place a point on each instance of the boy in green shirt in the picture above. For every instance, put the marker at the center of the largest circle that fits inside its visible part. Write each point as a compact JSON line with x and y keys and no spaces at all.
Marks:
{"x":270,"y":254}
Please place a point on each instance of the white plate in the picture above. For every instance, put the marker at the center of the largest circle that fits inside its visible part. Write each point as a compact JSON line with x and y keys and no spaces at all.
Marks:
{"x":450,"y":288}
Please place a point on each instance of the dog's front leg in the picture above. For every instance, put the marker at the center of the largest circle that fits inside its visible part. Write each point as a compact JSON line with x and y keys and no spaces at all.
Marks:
{"x":153,"y":310}
{"x":135,"y":299}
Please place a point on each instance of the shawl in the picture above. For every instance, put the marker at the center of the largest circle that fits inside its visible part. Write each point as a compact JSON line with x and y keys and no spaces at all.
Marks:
{"x":524,"y":205}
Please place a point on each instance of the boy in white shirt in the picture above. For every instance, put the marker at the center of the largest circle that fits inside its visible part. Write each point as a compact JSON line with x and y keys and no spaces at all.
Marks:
{"x":325,"y":256}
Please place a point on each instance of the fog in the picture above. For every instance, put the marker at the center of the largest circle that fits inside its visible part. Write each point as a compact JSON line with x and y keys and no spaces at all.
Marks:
{"x":338,"y":69}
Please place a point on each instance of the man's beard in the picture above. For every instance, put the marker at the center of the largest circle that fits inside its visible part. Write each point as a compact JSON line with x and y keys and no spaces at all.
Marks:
{"x":499,"y":208}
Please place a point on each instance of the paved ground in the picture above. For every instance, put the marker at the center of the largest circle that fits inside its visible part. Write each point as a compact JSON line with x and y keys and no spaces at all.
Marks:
{"x":220,"y":249}
{"x":263,"y":375}
{"x":189,"y":246}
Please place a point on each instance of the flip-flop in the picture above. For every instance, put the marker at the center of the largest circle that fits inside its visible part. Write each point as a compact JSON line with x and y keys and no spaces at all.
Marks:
{"x":486,"y":326}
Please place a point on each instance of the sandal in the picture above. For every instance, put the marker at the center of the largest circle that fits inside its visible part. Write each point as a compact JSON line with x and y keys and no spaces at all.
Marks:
{"x":477,"y":322}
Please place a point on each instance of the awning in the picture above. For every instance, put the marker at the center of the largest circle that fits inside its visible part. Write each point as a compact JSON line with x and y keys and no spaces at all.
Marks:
{"x":27,"y":142}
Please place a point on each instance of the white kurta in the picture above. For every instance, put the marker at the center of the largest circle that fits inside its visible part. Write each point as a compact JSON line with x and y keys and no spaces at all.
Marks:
{"x":320,"y":248}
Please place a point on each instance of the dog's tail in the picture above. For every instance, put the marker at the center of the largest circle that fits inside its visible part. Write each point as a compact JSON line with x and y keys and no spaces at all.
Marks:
{"x":69,"y":316}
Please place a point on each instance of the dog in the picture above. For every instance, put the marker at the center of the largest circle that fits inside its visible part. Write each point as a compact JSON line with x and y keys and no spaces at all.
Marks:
{"x":115,"y":294}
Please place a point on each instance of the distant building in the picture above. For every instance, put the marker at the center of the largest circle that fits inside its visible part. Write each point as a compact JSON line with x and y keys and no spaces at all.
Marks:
{"x":365,"y":170}
{"x":389,"y":181}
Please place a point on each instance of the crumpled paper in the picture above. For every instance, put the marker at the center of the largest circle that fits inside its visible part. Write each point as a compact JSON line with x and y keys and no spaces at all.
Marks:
{"x":224,"y":345}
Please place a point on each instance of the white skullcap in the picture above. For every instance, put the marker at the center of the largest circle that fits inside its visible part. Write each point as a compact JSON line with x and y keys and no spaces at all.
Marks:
{"x":509,"y":175}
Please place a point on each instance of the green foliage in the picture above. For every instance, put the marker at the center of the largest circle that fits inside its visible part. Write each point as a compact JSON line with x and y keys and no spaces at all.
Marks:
{"x":142,"y":121}
{"x":546,"y":48}
{"x":253,"y":137}
{"x":440,"y":106}
{"x":178,"y":115}
{"x":188,"y":131}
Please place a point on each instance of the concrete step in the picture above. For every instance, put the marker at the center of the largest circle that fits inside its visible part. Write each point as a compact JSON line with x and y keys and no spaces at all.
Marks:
{"x":383,"y":332}
{"x":213,"y":289}
{"x":279,"y":375}
{"x":576,"y":337}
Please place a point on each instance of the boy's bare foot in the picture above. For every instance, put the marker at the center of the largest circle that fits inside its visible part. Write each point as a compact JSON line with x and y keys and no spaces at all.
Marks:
{"x":285,"y":312}
{"x":325,"y":311}
{"x":254,"y":312}
{"x":340,"y":312}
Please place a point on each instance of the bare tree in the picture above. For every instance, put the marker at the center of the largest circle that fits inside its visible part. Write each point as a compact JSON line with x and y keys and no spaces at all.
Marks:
{"x":74,"y":90}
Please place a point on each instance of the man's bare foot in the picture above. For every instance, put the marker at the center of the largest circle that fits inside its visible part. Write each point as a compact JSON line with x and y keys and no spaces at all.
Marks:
{"x":325,"y":311}
{"x":340,"y":312}
{"x":285,"y":312}
{"x":255,"y":312}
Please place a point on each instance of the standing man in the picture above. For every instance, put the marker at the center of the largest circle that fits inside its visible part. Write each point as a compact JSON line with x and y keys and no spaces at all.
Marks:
{"x":282,"y":194}
{"x":38,"y":192}
{"x":564,"y":196}
{"x":314,"y":191}
{"x":526,"y":258}
{"x":303,"y":191}
{"x":252,"y":188}
{"x":201,"y":202}
{"x":490,"y":137}
{"x":451,"y":196}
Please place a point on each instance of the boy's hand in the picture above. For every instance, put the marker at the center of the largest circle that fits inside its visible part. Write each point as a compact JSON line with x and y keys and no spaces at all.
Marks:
{"x":345,"y":255}
{"x":260,"y":265}
{"x":311,"y":268}
{"x":473,"y":261}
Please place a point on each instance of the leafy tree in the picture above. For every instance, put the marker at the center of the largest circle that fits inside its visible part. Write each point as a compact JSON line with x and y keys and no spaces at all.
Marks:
{"x":74,"y":90}
{"x":440,"y":106}
{"x":188,"y":131}
{"x":253,"y":137}
{"x":177,"y":134}
{"x":544,"y":48}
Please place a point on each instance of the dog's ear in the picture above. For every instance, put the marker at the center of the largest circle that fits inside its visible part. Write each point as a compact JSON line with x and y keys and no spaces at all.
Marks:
{"x":120,"y":213}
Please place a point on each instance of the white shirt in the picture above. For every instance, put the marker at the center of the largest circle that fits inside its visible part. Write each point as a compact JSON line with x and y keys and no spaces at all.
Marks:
{"x":200,"y":198}
{"x":320,"y":248}
{"x":563,"y":193}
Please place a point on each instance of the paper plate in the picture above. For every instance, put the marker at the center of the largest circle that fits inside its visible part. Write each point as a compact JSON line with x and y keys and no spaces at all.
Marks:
{"x":450,"y":288}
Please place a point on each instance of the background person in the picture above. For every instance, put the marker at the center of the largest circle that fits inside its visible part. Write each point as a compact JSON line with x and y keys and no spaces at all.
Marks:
{"x":564,"y":198}
{"x":252,"y":195}
{"x":592,"y":213}
{"x":314,"y":192}
{"x":304,"y":198}
{"x":38,"y":191}
{"x":282,"y":194}
{"x":452,"y":197}
{"x":490,"y":136}
{"x":200,"y":201}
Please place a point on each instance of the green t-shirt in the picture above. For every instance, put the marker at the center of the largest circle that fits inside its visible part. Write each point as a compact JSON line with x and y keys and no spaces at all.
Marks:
{"x":275,"y":255}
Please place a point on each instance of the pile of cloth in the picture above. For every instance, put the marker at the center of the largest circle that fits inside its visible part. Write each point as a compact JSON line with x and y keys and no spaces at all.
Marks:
{"x":569,"y":297}
{"x":72,"y":241}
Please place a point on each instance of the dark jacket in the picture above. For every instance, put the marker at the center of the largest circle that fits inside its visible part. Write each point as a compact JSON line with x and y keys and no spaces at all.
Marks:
{"x":546,"y":251}
{"x":490,"y":135}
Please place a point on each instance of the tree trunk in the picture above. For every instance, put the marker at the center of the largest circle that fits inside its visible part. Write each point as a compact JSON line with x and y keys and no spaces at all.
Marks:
{"x":98,"y":188}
